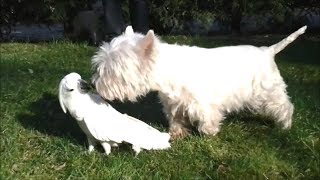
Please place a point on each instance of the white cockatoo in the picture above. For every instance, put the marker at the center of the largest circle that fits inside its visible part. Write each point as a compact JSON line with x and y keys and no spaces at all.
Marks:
{"x":102,"y":123}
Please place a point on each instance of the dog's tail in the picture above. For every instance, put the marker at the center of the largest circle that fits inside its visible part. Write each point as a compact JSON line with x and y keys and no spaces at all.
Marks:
{"x":276,"y":48}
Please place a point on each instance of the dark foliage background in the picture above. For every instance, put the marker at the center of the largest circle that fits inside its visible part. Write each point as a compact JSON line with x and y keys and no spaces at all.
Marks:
{"x":165,"y":15}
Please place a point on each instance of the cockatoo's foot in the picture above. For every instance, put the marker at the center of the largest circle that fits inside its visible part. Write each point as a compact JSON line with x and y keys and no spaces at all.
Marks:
{"x":136,"y":149}
{"x":91,"y":148}
{"x":107,"y":147}
{"x":91,"y":144}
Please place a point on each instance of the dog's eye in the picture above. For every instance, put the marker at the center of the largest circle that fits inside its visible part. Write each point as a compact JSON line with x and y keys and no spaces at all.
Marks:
{"x":70,"y":90}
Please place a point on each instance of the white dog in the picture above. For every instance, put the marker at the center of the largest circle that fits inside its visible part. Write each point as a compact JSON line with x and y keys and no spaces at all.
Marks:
{"x":197,"y":86}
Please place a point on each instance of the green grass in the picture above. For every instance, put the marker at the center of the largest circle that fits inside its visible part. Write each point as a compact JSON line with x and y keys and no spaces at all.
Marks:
{"x":38,"y":141}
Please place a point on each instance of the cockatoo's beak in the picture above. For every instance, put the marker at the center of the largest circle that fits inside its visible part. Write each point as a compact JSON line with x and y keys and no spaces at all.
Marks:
{"x":84,"y":86}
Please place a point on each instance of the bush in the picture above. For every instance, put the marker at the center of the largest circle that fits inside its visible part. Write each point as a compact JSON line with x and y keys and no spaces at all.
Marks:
{"x":39,"y":11}
{"x":166,"y":16}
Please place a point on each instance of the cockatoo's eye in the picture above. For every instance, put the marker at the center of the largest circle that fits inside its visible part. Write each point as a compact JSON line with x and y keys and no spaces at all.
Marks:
{"x":69,"y":86}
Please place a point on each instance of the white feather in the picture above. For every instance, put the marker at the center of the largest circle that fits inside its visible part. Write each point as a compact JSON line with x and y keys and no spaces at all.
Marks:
{"x":60,"y":96}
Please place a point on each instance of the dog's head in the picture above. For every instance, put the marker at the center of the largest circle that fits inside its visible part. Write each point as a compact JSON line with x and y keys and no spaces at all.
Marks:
{"x":122,"y":67}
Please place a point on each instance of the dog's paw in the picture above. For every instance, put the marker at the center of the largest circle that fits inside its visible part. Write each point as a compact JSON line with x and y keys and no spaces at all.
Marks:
{"x":209,"y":129}
{"x":178,"y":133}
{"x":286,"y":124}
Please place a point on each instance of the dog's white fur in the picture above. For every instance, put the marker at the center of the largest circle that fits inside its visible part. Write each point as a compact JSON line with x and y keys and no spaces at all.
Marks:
{"x":196,"y":85}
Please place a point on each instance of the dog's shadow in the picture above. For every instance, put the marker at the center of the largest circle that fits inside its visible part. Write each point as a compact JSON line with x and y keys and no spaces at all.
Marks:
{"x":147,"y":109}
{"x":46,"y":116}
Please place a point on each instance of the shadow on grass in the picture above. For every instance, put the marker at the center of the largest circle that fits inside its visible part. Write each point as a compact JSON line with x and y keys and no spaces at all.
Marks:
{"x":46,"y":116}
{"x":148,"y":109}
{"x":250,"y":119}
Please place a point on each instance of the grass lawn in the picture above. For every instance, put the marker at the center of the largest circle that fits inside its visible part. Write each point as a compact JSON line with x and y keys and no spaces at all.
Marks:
{"x":38,"y":141}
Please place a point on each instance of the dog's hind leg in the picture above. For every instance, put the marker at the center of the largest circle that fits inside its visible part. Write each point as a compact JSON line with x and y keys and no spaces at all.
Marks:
{"x":279,"y":107}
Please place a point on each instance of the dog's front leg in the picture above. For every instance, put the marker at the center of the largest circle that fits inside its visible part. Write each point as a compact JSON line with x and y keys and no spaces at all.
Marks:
{"x":178,"y":122}
{"x":179,"y":126}
{"x":209,"y":120}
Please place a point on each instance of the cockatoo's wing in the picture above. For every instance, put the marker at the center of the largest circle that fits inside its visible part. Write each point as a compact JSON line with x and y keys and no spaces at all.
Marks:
{"x":103,"y":123}
{"x":106,"y":124}
{"x":139,"y":122}
{"x":157,"y":139}
{"x":61,"y":97}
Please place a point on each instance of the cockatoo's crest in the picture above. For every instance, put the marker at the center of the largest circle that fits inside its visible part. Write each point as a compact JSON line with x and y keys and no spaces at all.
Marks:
{"x":61,"y":96}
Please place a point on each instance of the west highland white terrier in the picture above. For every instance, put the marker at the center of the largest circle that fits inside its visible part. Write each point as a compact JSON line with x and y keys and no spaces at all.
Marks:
{"x":197,"y":86}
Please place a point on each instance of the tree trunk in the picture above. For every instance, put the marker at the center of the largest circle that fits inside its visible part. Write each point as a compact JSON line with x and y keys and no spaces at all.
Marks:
{"x":236,"y":15}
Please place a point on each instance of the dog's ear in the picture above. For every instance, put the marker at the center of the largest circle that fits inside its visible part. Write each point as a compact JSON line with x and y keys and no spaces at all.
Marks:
{"x":129,"y":30}
{"x":146,"y":44}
